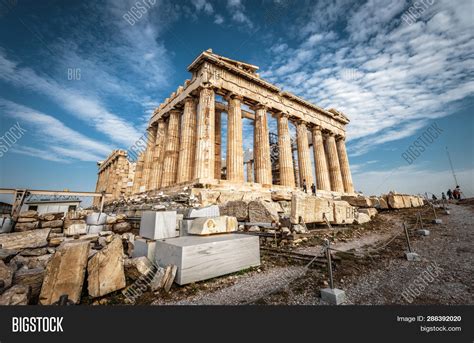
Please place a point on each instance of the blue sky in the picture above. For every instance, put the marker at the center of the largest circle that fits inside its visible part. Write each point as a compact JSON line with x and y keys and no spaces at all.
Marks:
{"x":392,"y":75}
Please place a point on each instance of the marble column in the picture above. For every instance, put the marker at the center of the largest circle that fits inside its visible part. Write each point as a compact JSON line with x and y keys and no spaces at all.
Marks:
{"x":287,"y":173}
{"x":322,"y":173}
{"x":158,"y":155}
{"x":250,"y":171}
{"x":304,"y":159}
{"x":188,"y":142}
{"x":170,"y":164}
{"x":218,"y":145}
{"x":263,"y":168}
{"x":138,"y":173}
{"x":235,"y":151}
{"x":204,"y":166}
{"x":344,"y":164}
{"x":149,"y":152}
{"x":333,"y":163}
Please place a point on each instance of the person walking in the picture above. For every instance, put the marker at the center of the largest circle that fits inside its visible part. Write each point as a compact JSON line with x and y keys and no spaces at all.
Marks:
{"x":313,"y":189}
{"x":305,"y":187}
{"x":449,"y":193}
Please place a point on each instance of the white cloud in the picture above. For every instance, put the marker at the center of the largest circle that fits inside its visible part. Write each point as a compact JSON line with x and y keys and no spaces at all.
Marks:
{"x":84,"y":107}
{"x":237,"y":11}
{"x":203,"y":5}
{"x":388,"y":77}
{"x":218,"y":19}
{"x":59,"y":141}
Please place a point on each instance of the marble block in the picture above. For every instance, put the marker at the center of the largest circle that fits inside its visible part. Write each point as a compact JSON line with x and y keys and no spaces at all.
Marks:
{"x":158,"y":225}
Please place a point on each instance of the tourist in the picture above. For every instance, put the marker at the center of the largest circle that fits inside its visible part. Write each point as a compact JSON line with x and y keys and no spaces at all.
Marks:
{"x":458,"y":193}
{"x":305,"y":188}
{"x":313,"y":189}
{"x":443,"y":196}
{"x":449,"y":193}
{"x":434,"y":198}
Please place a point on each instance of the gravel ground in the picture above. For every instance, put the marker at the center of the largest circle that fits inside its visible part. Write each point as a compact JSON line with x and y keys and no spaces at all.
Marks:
{"x":378,"y":279}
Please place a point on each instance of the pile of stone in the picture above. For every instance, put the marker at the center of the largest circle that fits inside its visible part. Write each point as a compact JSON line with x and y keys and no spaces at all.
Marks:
{"x":40,"y":266}
{"x":27,"y":221}
{"x":118,"y":223}
{"x":53,"y":220}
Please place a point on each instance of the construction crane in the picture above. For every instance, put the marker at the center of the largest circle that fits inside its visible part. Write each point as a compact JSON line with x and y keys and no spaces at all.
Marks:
{"x":452,"y":168}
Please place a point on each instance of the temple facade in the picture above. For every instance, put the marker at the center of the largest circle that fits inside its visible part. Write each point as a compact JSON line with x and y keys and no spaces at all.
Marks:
{"x":184,"y":136}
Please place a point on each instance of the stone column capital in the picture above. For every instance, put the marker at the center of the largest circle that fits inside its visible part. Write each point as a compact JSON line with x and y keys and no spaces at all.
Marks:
{"x":232,"y":95}
{"x":281,"y":114}
{"x":189,"y":99}
{"x":316,"y":128}
{"x":260,"y":106}
{"x":340,"y":138}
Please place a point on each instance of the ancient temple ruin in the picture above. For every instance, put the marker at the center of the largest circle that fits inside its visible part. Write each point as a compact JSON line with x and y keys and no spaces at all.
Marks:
{"x":184,"y":138}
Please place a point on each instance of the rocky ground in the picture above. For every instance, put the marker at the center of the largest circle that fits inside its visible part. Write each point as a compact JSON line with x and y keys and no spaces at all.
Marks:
{"x":367,"y":268}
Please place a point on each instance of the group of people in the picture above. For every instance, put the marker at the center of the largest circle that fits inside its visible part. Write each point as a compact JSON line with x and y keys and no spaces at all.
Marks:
{"x":305,"y":187}
{"x":452,"y":195}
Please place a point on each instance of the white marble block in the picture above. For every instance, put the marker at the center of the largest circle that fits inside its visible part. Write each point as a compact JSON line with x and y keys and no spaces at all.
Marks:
{"x":205,"y":257}
{"x":158,"y":225}
{"x":209,"y":211}
{"x":144,"y":247}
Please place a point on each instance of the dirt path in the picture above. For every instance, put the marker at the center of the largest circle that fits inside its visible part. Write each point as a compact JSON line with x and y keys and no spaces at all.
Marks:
{"x":380,"y":279}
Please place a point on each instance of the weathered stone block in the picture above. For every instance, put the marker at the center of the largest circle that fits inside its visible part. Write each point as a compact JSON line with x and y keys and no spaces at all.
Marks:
{"x":105,"y":270}
{"x":29,"y":214}
{"x":281,"y":195}
{"x":20,"y":227}
{"x":209,"y":226}
{"x":343,"y":213}
{"x":226,"y":197}
{"x":65,"y":273}
{"x":137,"y":267}
{"x":16,"y":295}
{"x":358,"y":201}
{"x":52,"y":223}
{"x":395,"y":201}
{"x":362,"y":218}
{"x":30,"y":277}
{"x":23,"y":240}
{"x":122,"y":227}
{"x":407,"y":201}
{"x":76,"y":229}
{"x":263,"y":212}
{"x":237,"y":208}
{"x":6,"y":275}
{"x":52,"y":216}
{"x":311,"y":209}
{"x":371,"y":212}
{"x":144,"y":247}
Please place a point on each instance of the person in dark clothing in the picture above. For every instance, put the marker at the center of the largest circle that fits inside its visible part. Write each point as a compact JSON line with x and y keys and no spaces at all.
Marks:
{"x":443,"y":196}
{"x":305,"y":187}
{"x":434,"y":198}
{"x":313,"y":189}
{"x":449,"y":193}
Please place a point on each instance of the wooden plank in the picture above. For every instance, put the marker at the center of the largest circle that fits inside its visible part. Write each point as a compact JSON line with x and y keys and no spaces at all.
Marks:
{"x":201,"y":258}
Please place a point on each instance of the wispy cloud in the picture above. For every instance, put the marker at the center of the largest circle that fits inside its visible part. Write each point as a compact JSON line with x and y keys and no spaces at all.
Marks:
{"x":237,"y":12}
{"x":84,"y":107}
{"x":60,"y":143}
{"x":390,"y":78}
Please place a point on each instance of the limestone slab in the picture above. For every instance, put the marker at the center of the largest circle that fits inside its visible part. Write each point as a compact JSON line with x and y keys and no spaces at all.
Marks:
{"x":311,"y":209}
{"x":358,"y":201}
{"x":65,"y":273}
{"x":23,"y":240}
{"x":343,"y":213}
{"x":200,"y":258}
{"x":208,"y":211}
{"x":210,"y":226}
{"x":263,"y":211}
{"x":16,"y":295}
{"x":105,"y":270}
{"x":237,"y":208}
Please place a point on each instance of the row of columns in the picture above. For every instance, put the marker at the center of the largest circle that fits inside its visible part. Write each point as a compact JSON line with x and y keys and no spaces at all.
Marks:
{"x":187,"y":146}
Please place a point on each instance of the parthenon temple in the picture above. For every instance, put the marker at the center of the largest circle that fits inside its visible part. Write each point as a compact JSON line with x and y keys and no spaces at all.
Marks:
{"x":184,"y":138}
